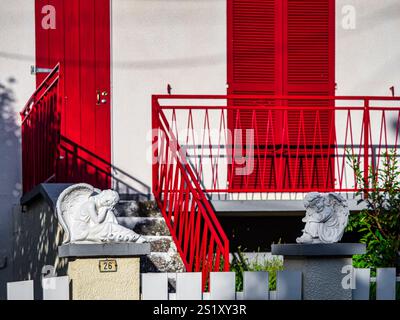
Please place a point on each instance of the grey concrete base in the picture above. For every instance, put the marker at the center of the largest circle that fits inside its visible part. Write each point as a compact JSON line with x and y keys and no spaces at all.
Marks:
{"x":104,"y":250}
{"x":322,"y":276}
{"x":321,"y":266}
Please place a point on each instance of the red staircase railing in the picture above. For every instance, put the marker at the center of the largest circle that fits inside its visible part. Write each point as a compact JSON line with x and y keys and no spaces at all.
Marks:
{"x":41,"y":132}
{"x":296,"y":144}
{"x":199,"y":238}
{"x":49,"y":156}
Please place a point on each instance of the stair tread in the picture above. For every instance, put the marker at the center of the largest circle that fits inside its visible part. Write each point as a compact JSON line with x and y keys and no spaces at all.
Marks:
{"x":145,"y":219}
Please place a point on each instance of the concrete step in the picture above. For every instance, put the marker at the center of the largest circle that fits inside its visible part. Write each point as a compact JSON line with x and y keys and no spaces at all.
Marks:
{"x":145,"y":219}
{"x":130,"y":208}
{"x":153,"y":226}
{"x":160,"y":243}
{"x":162,"y":262}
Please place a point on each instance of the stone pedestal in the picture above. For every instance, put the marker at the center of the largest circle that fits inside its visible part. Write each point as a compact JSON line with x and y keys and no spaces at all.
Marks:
{"x":90,"y":281}
{"x":321,"y":266}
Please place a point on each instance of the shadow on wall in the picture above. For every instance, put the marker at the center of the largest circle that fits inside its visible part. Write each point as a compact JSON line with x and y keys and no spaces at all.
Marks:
{"x":10,"y":141}
{"x":79,"y":164}
{"x":10,"y":176}
{"x":37,"y":236}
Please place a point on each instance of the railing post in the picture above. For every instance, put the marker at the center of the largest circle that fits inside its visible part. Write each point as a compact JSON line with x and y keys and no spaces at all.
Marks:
{"x":155,"y":132}
{"x":366,"y":145}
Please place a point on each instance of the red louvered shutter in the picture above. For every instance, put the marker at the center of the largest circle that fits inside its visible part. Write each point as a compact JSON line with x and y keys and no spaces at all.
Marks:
{"x":284,"y":47}
{"x":309,"y":70}
{"x":254,"y":68}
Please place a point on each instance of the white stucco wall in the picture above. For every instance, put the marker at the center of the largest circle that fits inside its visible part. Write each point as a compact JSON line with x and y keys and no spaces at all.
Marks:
{"x":17,"y":43}
{"x":368,"y":57}
{"x":154,"y":43}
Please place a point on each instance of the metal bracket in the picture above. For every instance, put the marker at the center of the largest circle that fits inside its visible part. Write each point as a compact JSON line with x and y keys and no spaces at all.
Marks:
{"x":36,"y":70}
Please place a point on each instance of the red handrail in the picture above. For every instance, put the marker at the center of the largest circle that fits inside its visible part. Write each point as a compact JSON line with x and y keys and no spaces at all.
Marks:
{"x":199,"y":238}
{"x":41,"y":131}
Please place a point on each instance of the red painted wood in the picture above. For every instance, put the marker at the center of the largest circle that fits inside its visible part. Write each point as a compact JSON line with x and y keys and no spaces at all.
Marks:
{"x":88,"y":78}
{"x":72,"y":73}
{"x":254,"y":67}
{"x":102,"y":80}
{"x":81,"y":43}
{"x":309,"y":69}
{"x":281,"y":48}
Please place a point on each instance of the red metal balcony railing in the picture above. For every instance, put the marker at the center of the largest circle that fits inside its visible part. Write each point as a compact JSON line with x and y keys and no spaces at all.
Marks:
{"x":205,"y":145}
{"x":41,"y":132}
{"x":256,"y":144}
{"x":199,"y":238}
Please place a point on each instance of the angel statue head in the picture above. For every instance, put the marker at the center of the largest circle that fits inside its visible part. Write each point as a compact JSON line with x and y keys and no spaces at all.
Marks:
{"x":107,"y":198}
{"x":314,"y":200}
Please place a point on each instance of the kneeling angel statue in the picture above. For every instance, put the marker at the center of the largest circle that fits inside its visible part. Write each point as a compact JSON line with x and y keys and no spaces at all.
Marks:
{"x":87,"y":215}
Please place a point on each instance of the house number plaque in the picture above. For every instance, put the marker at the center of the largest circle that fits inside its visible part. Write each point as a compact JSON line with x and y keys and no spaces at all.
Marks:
{"x":108,"y":265}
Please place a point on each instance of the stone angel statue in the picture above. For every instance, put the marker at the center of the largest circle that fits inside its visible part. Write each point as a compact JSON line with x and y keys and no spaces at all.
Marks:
{"x":326,"y":218}
{"x":87,"y":215}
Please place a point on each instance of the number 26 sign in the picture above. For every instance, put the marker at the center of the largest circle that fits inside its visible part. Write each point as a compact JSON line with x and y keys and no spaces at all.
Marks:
{"x":108,"y":265}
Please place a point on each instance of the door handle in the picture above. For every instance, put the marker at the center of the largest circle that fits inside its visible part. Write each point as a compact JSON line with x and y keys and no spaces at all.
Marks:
{"x":101,"y":97}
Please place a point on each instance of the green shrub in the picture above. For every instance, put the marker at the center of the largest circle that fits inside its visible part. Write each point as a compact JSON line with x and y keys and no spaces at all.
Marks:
{"x":379,"y":223}
{"x":241,"y":264}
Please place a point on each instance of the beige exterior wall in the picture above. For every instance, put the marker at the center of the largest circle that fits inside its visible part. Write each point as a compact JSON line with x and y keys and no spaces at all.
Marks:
{"x":88,"y":283}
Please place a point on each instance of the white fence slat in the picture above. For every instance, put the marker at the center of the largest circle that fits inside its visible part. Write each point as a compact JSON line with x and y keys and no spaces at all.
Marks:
{"x":171,"y":296}
{"x":21,"y":290}
{"x":222,"y":286}
{"x":206,"y":296}
{"x":154,"y":286}
{"x":56,"y":288}
{"x":240,"y":296}
{"x":289,"y":285}
{"x":255,"y":285}
{"x":188,"y":286}
{"x":386,"y":284}
{"x":362,"y":282}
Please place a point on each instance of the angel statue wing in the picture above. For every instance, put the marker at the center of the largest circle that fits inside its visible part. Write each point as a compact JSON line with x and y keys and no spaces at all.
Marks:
{"x":69,"y":201}
{"x":333,"y":229}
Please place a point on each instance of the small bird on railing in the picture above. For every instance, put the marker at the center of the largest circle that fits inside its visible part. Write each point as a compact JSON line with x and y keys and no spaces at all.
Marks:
{"x":392,"y":90}
{"x":169,"y":88}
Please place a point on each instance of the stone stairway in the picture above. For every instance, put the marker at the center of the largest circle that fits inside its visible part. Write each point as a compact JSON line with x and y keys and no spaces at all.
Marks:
{"x":145,"y":219}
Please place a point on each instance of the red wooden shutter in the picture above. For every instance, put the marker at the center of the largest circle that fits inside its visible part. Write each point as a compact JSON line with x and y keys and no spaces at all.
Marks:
{"x":254,"y":68}
{"x":309,"y":70}
{"x":283,"y":47}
